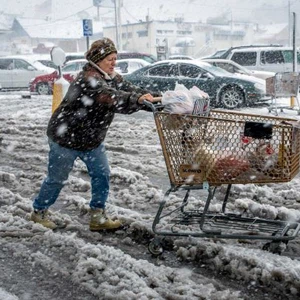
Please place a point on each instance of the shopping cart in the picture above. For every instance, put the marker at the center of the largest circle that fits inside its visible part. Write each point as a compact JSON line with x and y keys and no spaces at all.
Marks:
{"x":224,"y":148}
{"x":284,"y":84}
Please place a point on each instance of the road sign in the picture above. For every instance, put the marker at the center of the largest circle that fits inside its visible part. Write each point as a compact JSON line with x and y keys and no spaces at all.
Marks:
{"x":87,"y":25}
{"x":97,"y":2}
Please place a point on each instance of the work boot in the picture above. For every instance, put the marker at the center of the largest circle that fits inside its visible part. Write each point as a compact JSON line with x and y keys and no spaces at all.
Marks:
{"x":43,"y":217}
{"x":100,"y":221}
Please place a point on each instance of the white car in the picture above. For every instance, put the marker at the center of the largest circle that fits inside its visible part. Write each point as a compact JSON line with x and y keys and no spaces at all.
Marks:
{"x":180,"y":56}
{"x":127,"y":66}
{"x":16,"y":72}
{"x":43,"y":84}
{"x":233,"y":67}
{"x":274,"y":58}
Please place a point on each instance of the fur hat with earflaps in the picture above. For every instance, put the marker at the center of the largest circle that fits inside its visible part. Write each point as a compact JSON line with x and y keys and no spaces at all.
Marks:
{"x":100,"y":49}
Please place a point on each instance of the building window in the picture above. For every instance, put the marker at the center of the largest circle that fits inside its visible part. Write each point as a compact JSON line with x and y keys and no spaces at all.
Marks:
{"x":183,"y":32}
{"x":126,"y":35}
{"x":142,"y":33}
{"x":165,"y":32}
{"x":221,"y":37}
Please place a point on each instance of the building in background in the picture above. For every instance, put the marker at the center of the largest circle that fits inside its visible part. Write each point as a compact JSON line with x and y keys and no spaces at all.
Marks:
{"x":162,"y":38}
{"x":39,"y":34}
{"x":177,"y":37}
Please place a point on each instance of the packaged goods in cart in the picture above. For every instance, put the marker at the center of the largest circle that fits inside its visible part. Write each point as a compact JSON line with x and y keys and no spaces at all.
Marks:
{"x":201,"y":102}
{"x":263,"y":158}
{"x":228,"y":168}
{"x":220,"y":165}
{"x":186,"y":101}
{"x":204,"y":158}
{"x":257,"y":143}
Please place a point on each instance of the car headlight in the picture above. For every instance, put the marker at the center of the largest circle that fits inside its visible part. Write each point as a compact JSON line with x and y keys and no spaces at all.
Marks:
{"x":260,"y":86}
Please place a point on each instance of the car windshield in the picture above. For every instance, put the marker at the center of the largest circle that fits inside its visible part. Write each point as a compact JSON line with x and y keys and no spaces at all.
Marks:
{"x":231,"y":67}
{"x":214,"y":70}
{"x":69,"y":68}
{"x":38,"y":64}
{"x":149,"y":58}
{"x":218,"y":53}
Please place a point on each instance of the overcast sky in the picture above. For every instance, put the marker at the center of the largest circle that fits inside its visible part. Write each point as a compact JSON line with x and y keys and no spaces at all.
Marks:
{"x":192,"y":10}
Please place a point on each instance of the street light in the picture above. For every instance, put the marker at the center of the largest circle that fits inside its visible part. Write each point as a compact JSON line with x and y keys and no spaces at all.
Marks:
{"x":117,"y":9}
{"x":97,"y":4}
{"x":117,"y":6}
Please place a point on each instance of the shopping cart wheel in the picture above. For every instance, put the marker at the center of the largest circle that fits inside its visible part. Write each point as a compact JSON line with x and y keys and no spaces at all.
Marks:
{"x":155,"y":247}
{"x":275,"y":247}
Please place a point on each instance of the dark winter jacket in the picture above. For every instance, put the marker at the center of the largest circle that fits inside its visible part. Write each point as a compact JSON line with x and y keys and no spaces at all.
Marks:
{"x":86,"y":112}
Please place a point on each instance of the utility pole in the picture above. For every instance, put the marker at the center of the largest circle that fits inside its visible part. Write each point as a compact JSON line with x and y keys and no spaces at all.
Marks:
{"x":289,"y":23}
{"x":118,"y":25}
{"x":120,"y":48}
{"x":97,"y":3}
{"x":295,"y":65}
{"x":231,"y":28}
{"x":148,"y":29}
{"x":98,"y":14}
{"x":294,"y":42}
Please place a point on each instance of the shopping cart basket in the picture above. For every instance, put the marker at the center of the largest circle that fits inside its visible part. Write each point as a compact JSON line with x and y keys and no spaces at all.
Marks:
{"x":283,"y":84}
{"x":202,"y":153}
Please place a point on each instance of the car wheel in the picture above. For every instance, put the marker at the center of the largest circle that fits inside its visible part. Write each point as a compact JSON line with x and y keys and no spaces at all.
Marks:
{"x":43,"y":88}
{"x":231,"y":97}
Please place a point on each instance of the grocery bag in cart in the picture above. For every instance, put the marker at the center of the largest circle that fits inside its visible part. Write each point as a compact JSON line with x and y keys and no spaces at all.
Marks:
{"x":186,"y":101}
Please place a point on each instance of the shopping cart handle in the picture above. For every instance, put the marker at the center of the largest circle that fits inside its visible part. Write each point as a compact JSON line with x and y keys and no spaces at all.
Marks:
{"x":154,"y":105}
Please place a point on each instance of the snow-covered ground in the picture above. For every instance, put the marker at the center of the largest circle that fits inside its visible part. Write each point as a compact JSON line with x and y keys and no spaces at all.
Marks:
{"x":74,"y":263}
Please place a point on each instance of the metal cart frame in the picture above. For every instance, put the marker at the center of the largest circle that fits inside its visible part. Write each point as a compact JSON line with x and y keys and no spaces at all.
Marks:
{"x":284,"y":84}
{"x":180,"y":135}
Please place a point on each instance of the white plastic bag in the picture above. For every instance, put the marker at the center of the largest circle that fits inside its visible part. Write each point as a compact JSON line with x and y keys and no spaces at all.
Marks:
{"x":197,"y":93}
{"x":177,"y":102}
{"x":186,"y":101}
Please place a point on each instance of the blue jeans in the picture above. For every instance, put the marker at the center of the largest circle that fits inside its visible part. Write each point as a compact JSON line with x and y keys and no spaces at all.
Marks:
{"x":61,"y":161}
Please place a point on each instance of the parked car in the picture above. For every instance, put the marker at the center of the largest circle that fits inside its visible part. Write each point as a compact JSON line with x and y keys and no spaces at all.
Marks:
{"x":145,"y":56}
{"x":233,"y":67}
{"x":216,"y":54}
{"x":49,"y":63}
{"x":225,"y":89}
{"x":180,"y":56}
{"x":45,"y":59}
{"x":43,"y":47}
{"x":43,"y":84}
{"x":16,"y":72}
{"x":74,"y":56}
{"x":127,"y":66}
{"x":273,"y":58}
{"x":121,"y":55}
